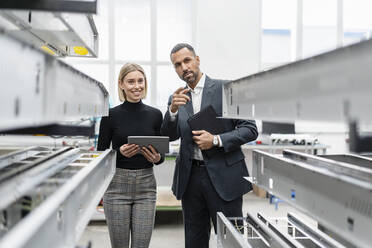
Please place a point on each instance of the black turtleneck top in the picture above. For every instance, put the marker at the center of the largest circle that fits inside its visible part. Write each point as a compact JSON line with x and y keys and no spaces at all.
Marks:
{"x":129,"y":119}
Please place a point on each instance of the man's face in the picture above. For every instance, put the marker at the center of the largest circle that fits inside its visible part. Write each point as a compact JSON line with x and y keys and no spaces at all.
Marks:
{"x":186,"y":65}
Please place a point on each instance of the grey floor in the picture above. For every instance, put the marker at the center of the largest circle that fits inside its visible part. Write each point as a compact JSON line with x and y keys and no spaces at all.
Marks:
{"x":168,"y":231}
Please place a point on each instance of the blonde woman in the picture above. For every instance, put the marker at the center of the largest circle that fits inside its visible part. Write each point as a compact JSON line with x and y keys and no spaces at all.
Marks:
{"x":129,"y":202}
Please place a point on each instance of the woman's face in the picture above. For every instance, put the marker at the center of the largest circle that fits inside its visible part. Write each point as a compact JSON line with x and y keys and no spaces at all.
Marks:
{"x":133,"y":85}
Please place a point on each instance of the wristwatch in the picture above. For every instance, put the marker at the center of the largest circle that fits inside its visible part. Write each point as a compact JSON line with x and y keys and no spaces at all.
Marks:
{"x":215,"y":140}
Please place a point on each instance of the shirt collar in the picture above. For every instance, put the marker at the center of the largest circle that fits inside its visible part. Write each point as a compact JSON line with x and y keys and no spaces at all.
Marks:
{"x":200,"y":84}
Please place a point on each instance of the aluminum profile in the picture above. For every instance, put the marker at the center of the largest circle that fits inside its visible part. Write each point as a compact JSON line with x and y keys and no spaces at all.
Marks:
{"x":334,"y":86}
{"x":37,"y":89}
{"x":337,"y":194}
{"x":72,"y":195}
{"x":83,"y":6}
{"x":58,"y":33}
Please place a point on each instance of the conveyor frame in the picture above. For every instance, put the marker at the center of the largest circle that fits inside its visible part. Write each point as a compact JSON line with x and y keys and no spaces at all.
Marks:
{"x":336,"y":194}
{"x":277,"y":232}
{"x":61,"y":218}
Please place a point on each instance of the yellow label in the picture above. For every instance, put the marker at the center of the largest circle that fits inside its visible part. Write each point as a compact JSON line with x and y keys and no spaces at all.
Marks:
{"x":80,"y":50}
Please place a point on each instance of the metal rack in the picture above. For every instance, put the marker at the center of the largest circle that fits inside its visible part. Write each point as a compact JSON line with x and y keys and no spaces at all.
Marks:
{"x":335,"y":190}
{"x":49,"y":194}
{"x":337,"y":194}
{"x":263,"y":232}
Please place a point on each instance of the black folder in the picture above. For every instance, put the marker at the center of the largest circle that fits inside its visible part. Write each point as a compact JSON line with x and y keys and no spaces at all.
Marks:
{"x":206,"y":120}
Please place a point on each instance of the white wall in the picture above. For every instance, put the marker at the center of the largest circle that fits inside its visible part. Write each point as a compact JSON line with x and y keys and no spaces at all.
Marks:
{"x":228,"y":37}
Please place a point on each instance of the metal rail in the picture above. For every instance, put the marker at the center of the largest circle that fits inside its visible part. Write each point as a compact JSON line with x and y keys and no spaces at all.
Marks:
{"x":57,"y":33}
{"x":351,"y":159}
{"x":82,"y":6}
{"x":276,"y":232}
{"x":227,"y":235}
{"x":275,"y":238}
{"x":317,"y":237}
{"x":45,"y":83}
{"x":59,"y":207}
{"x":337,"y":194}
{"x":17,"y":180}
{"x":334,"y":86}
{"x":11,"y":155}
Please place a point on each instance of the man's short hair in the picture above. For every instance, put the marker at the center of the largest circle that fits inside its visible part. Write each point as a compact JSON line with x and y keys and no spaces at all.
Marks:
{"x":179,"y":46}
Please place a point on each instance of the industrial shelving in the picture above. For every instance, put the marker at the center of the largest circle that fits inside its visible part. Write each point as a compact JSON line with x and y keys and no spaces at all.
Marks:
{"x":49,"y":194}
{"x":335,"y":190}
{"x":50,"y":199}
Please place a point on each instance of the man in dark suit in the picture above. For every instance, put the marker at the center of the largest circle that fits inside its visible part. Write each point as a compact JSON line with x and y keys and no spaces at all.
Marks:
{"x":205,"y":183}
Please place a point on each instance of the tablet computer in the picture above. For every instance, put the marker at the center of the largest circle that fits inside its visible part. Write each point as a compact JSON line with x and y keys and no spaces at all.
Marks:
{"x":160,"y":143}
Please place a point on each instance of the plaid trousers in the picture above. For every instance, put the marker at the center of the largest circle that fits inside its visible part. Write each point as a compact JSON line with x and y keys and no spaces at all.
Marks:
{"x":129,"y":206}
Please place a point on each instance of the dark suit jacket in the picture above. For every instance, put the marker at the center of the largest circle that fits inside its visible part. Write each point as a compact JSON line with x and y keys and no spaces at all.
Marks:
{"x":227,"y":167}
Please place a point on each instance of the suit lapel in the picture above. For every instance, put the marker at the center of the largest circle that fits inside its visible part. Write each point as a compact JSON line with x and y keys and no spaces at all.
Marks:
{"x":207,"y":97}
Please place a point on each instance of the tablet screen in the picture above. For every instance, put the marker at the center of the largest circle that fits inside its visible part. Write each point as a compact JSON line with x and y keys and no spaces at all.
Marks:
{"x":160,"y":143}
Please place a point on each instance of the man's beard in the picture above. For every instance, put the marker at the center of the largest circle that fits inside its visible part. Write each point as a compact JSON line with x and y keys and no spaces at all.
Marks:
{"x":192,"y":79}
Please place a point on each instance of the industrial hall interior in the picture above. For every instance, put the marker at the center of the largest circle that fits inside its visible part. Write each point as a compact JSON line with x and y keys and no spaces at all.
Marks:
{"x":185,"y":124}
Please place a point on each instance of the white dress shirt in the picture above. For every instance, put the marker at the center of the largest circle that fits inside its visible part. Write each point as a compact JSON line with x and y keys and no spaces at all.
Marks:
{"x":196,"y":96}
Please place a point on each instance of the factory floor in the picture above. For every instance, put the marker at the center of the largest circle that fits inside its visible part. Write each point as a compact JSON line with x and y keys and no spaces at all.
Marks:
{"x":169,"y":232}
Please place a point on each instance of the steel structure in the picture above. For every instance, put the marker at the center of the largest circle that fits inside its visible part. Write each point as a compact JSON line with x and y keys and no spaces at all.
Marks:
{"x":335,"y":190}
{"x":47,"y":90}
{"x":60,"y":34}
{"x":263,"y":232}
{"x":80,"y":6}
{"x":337,"y":194}
{"x":334,"y":86}
{"x":48,"y":196}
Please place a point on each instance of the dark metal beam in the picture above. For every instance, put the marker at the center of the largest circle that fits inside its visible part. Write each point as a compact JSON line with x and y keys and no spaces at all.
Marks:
{"x":56,"y":129}
{"x":52,"y":5}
